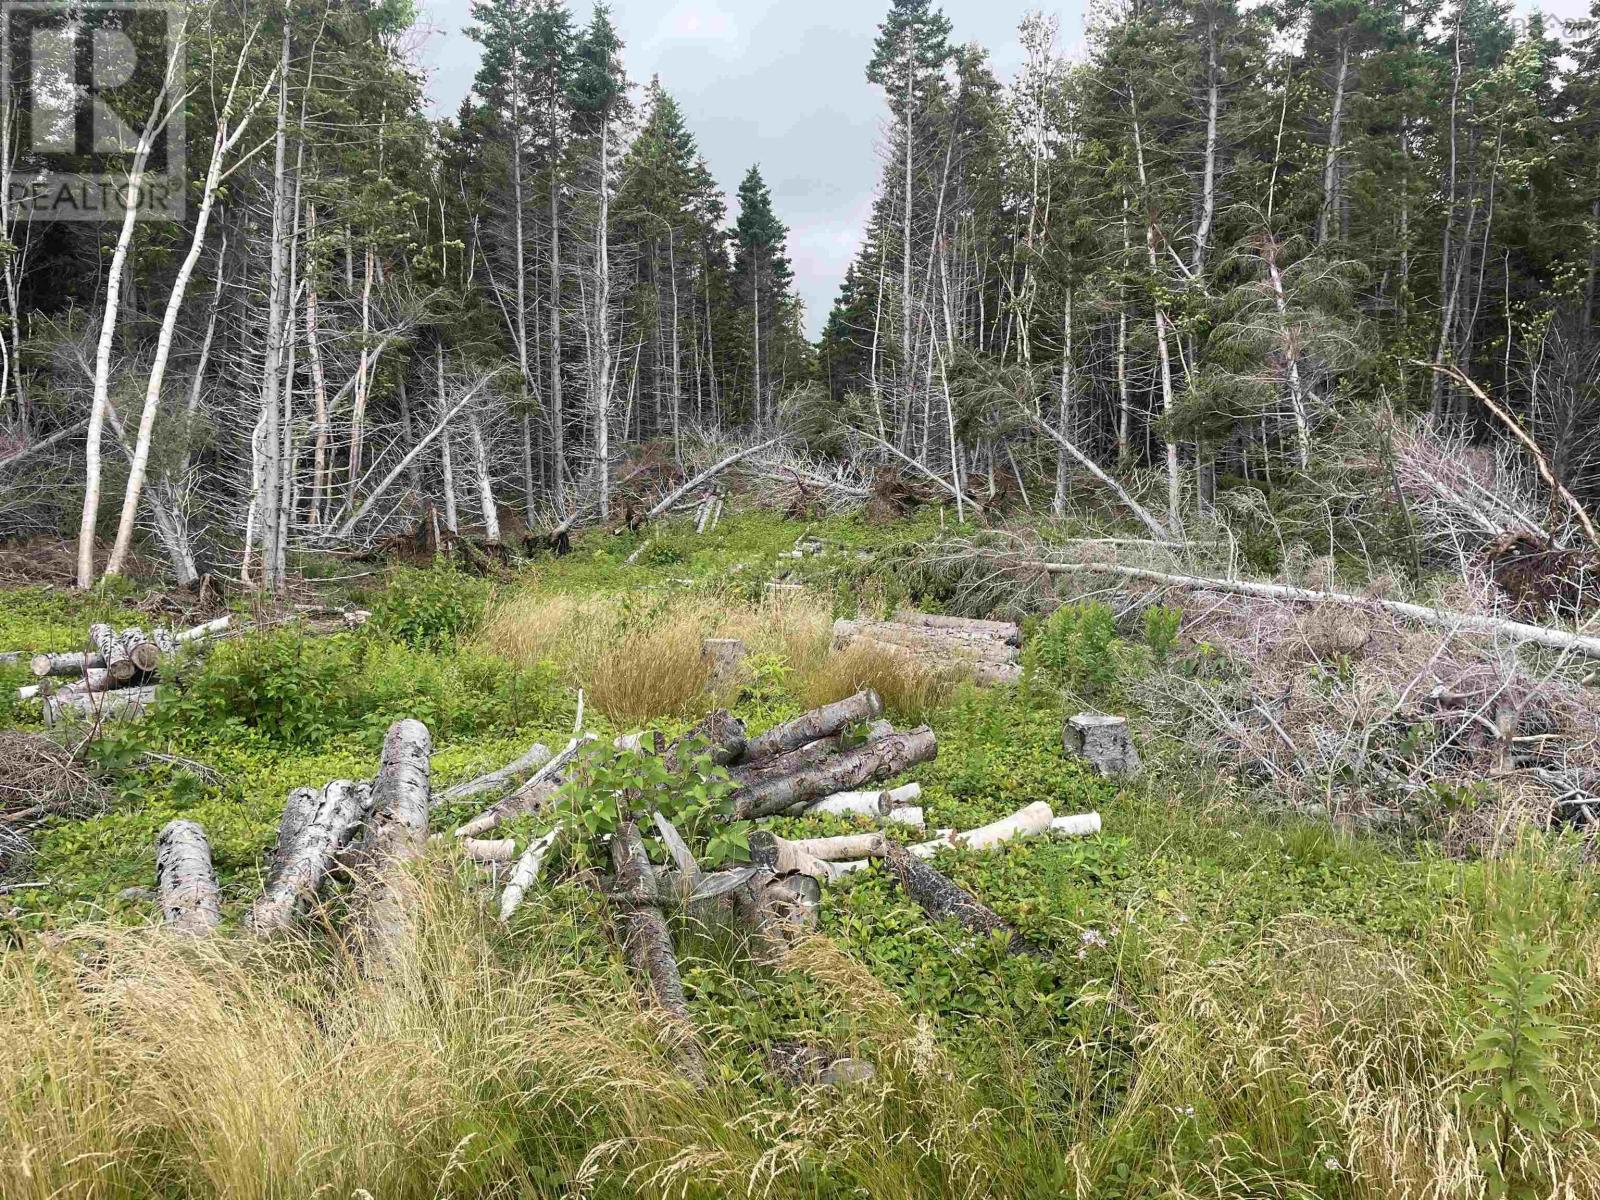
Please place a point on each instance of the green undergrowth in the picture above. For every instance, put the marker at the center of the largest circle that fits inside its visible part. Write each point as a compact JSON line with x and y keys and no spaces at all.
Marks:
{"x":1232,"y":1000}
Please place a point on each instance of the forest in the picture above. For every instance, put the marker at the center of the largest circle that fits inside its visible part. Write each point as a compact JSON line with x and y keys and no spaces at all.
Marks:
{"x":498,"y":699}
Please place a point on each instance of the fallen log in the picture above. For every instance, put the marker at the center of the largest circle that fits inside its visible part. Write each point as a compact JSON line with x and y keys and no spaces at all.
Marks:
{"x":499,"y":850}
{"x":143,"y":653}
{"x":1006,"y":631}
{"x":511,"y":774}
{"x":74,"y":663}
{"x":777,"y":910}
{"x":869,"y":762}
{"x":1156,"y":528}
{"x":100,"y":706}
{"x":1434,"y":618}
{"x":1027,"y":822}
{"x":1077,"y":825}
{"x":931,"y":642}
{"x":647,"y":942}
{"x":866,"y":804}
{"x":396,"y":829}
{"x":315,"y":829}
{"x":186,"y":880}
{"x":95,"y":679}
{"x":709,"y":473}
{"x":819,"y":723}
{"x":783,"y":857}
{"x":530,"y":797}
{"x":112,"y":652}
{"x":943,"y":899}
{"x":526,"y":873}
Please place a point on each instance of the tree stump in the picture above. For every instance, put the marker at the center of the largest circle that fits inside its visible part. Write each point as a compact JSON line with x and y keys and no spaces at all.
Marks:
{"x":725,"y":658}
{"x":1104,"y":741}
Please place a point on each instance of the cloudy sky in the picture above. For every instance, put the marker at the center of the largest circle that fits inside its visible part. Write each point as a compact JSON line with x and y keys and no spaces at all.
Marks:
{"x":776,"y":82}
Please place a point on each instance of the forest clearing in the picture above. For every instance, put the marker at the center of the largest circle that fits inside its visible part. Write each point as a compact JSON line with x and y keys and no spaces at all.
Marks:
{"x":504,"y":694}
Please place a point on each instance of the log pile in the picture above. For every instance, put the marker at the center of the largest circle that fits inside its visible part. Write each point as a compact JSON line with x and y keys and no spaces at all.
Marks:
{"x":114,"y":675}
{"x":989,"y":652}
{"x":831,"y":760}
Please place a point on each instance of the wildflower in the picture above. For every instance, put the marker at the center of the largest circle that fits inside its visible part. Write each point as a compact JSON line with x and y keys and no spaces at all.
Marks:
{"x":1331,"y":1163}
{"x":1092,"y":937}
{"x":1183,"y":918}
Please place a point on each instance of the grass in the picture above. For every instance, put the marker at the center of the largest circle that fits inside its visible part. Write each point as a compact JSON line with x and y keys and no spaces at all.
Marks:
{"x":1238,"y":1003}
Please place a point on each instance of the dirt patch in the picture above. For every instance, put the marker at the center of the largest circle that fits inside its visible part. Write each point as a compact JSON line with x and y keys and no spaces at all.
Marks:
{"x":53,"y":562}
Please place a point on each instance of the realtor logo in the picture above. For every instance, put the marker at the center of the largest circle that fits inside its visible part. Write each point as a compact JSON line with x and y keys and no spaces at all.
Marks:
{"x":93,"y":95}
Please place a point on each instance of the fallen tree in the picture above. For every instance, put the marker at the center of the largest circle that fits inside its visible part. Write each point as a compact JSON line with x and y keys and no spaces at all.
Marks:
{"x":1435,"y":618}
{"x":186,"y":881}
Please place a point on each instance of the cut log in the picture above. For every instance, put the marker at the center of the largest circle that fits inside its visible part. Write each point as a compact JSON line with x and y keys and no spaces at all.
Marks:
{"x":541,"y":786}
{"x":32,"y":691}
{"x":1102,"y":740}
{"x":1025,"y":823}
{"x":750,"y":774}
{"x":112,"y":652}
{"x":1077,"y":825}
{"x":841,"y":849}
{"x":124,"y":704}
{"x":677,"y":849}
{"x":647,"y":942}
{"x":819,"y":723}
{"x":933,"y":644}
{"x":396,"y":830}
{"x":186,"y":881}
{"x":510,"y":775}
{"x":943,"y":899}
{"x":803,"y":1063}
{"x":1006,"y":631}
{"x":74,"y":663}
{"x":526,"y":873}
{"x":315,"y":829}
{"x":95,"y":679}
{"x":867,"y":763}
{"x":777,"y":911}
{"x":201,"y":632}
{"x":12,"y":658}
{"x":142,"y":652}
{"x":784,"y":858}
{"x":866,"y":804}
{"x":502,"y":850}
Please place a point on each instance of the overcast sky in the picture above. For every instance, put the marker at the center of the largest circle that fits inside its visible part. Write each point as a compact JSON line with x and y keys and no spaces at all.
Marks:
{"x":781,"y":83}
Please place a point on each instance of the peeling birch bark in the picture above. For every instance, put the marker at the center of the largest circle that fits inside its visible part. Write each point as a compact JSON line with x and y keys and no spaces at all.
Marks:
{"x":186,"y":881}
{"x":315,"y":829}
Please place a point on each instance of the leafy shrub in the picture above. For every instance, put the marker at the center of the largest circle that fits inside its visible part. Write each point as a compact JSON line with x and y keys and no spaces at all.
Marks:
{"x":611,"y":785}
{"x":1161,"y":625}
{"x":1074,"y":650}
{"x":281,"y":686}
{"x":430,"y":608}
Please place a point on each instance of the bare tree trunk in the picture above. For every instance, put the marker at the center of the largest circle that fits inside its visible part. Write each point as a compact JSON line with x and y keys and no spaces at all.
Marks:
{"x":108,"y":318}
{"x":273,"y":476}
{"x":480,"y":454}
{"x":319,"y":384}
{"x":452,"y":520}
{"x":1330,"y":167}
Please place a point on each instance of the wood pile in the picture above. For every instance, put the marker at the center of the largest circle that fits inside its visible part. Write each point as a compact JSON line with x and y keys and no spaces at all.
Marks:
{"x":829,"y":760}
{"x":114,"y":674}
{"x":990,"y":652}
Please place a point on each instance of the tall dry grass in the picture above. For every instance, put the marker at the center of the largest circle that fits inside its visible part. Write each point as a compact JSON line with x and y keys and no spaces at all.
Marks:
{"x":642,"y":661}
{"x":1303,"y":1062}
{"x":910,"y":691}
{"x":482,"y":1064}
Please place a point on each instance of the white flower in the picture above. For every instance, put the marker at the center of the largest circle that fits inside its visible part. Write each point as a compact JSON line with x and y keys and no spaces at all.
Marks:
{"x":1186,"y":1110}
{"x":1183,"y":918}
{"x":1331,"y":1163}
{"x":1092,"y":937}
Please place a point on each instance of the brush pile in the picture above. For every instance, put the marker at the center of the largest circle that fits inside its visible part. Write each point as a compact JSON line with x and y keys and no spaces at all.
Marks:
{"x":39,"y":779}
{"x":988,"y":652}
